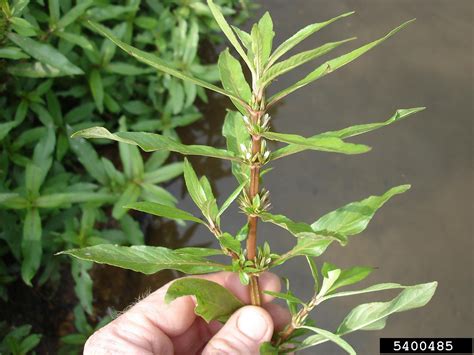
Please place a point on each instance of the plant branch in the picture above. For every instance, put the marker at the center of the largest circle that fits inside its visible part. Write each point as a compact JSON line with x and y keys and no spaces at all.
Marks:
{"x":298,"y":319}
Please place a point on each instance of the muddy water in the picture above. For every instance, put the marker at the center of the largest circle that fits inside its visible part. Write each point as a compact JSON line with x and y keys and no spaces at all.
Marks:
{"x":421,"y":236}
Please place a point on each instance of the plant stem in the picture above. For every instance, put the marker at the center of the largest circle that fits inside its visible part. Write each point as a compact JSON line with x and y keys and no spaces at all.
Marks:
{"x":254,"y":288}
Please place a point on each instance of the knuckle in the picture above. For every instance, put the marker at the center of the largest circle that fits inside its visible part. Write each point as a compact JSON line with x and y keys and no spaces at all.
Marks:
{"x":226,"y":346}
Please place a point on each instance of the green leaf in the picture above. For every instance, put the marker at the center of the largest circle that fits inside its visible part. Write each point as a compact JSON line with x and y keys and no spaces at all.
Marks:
{"x":164,"y":173}
{"x":231,"y":199}
{"x":54,"y":11}
{"x":333,"y":65}
{"x":228,"y":32}
{"x":265,"y":29}
{"x":314,"y":272}
{"x":65,"y":199}
{"x":351,"y":276}
{"x":227,"y":241}
{"x":31,"y":246}
{"x":236,"y":134}
{"x":374,"y":288}
{"x":373,"y":316}
{"x":214,"y":302}
{"x":233,"y":79}
{"x":354,"y":217}
{"x":124,"y":68}
{"x":73,"y":14}
{"x":330,"y":278}
{"x":12,"y":53}
{"x":35,"y":70}
{"x":156,"y":62}
{"x":155,"y":193}
{"x":284,"y":296}
{"x":163,"y":211}
{"x":306,"y":246}
{"x":298,"y":59}
{"x":300,"y":229}
{"x":347,"y":132}
{"x":45,"y":54}
{"x":193,"y":185}
{"x":332,"y":337}
{"x":76,"y":39}
{"x":128,"y":196}
{"x":364,"y":128}
{"x":300,"y":36}
{"x":5,"y":128}
{"x":151,"y":142}
{"x":89,"y":158}
{"x":147,"y":259}
{"x":321,"y":143}
{"x":22,"y":26}
{"x":97,"y":89}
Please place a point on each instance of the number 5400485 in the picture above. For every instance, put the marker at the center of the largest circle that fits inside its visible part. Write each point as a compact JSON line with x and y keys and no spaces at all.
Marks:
{"x":423,"y":345}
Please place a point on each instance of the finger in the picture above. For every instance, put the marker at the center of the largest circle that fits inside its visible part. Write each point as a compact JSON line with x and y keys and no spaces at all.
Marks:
{"x":281,"y":316}
{"x":128,"y":335}
{"x":243,"y":333}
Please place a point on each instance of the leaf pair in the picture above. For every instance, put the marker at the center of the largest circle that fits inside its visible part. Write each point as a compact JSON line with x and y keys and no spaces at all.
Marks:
{"x":372,"y":316}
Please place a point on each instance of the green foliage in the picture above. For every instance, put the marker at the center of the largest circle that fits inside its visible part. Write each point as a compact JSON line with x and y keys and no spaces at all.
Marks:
{"x":18,"y":340}
{"x":60,"y":75}
{"x":246,"y":131}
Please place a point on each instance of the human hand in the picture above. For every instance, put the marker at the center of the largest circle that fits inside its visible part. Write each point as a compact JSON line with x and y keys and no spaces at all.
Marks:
{"x":153,"y":327}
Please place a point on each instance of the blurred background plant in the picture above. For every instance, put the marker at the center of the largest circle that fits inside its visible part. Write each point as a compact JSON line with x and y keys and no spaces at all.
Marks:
{"x":58,"y":76}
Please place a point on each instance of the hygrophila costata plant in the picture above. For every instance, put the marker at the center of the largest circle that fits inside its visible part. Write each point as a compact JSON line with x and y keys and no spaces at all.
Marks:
{"x":246,"y":131}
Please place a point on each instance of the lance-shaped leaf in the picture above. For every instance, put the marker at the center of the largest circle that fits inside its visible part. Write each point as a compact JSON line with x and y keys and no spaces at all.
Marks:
{"x":31,"y":246}
{"x":321,"y":143}
{"x":299,"y":59}
{"x":364,"y":128}
{"x":213,"y":301}
{"x":45,"y":54}
{"x":164,"y":173}
{"x":306,"y":246}
{"x":233,"y":79}
{"x":373,"y":316}
{"x":348,"y":132}
{"x":160,"y":210}
{"x":265,"y":29}
{"x":327,"y":335}
{"x":147,"y":259}
{"x":158,"y":63}
{"x":374,"y":288}
{"x":231,"y":199}
{"x":236,"y":135}
{"x":354,"y":217}
{"x":299,"y":229}
{"x":300,"y":36}
{"x":151,"y":142}
{"x":224,"y":26}
{"x":333,"y":65}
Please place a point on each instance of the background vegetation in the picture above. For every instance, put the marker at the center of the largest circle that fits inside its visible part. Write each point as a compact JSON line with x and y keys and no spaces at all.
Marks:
{"x":57,"y":76}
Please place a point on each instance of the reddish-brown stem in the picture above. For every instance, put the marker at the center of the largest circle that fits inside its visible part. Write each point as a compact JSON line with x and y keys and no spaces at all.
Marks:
{"x":254,"y":288}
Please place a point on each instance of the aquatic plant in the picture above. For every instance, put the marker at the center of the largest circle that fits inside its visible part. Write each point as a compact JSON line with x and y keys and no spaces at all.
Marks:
{"x":247,"y":130}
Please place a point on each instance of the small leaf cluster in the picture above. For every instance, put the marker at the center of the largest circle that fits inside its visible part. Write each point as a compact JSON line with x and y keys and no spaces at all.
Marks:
{"x":57,"y":76}
{"x":246,"y":130}
{"x":18,"y":340}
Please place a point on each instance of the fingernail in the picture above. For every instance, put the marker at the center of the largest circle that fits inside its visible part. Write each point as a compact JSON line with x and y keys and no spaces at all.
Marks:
{"x":252,"y":323}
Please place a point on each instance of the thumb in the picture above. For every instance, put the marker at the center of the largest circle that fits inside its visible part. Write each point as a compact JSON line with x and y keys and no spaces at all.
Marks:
{"x":243,"y":333}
